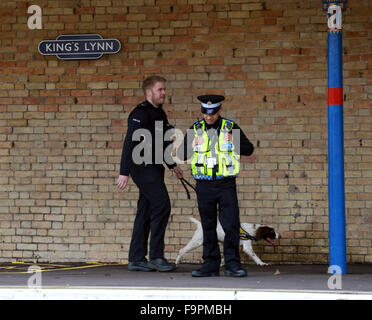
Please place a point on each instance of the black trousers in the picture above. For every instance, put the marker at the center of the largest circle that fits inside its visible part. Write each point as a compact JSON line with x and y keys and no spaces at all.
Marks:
{"x":153,"y":212}
{"x":213,"y":196}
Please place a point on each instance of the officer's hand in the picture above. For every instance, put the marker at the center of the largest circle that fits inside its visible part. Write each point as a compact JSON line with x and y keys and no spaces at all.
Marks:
{"x":178,"y":172}
{"x":122,"y":181}
{"x":197,"y":141}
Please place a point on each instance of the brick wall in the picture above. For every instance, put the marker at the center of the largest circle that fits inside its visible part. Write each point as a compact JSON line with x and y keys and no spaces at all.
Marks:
{"x":62,"y":123}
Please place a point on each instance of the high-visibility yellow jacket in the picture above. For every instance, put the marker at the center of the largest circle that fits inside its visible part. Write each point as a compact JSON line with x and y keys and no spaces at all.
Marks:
{"x":223,"y":157}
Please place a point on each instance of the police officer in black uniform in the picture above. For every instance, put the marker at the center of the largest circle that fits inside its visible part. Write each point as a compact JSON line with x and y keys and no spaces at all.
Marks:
{"x":216,"y":186}
{"x":140,"y":160}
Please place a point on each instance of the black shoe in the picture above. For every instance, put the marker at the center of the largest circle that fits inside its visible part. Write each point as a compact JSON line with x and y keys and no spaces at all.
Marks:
{"x":140,"y":266}
{"x":162,"y":265}
{"x":201,"y":273}
{"x":237,"y":272}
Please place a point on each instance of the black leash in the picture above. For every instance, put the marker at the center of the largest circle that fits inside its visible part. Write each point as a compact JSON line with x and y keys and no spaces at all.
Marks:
{"x":183,"y":181}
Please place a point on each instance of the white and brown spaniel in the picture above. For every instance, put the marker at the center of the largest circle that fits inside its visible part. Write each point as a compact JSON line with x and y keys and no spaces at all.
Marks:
{"x":248,"y":232}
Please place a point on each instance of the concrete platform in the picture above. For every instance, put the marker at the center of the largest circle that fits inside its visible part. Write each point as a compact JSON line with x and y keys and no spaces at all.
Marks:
{"x":114,"y":281}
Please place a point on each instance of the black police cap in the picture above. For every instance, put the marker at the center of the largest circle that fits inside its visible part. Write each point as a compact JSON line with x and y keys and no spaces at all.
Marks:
{"x":211,"y":103}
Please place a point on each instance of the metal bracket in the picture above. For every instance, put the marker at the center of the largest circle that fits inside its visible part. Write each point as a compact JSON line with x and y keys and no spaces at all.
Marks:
{"x":334,"y":10}
{"x":328,"y":3}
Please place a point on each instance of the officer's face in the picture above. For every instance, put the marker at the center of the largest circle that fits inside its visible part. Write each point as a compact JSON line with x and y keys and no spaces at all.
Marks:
{"x":211,"y":118}
{"x":156,"y":95}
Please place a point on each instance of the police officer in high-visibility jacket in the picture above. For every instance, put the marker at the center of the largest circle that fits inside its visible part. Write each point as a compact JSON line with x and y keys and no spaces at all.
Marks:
{"x":215,"y":144}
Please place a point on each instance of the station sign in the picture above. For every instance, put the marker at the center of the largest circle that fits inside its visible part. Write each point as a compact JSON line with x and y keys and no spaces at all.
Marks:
{"x":79,"y":46}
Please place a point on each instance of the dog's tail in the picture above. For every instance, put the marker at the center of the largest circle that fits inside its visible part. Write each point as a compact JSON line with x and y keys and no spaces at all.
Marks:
{"x":197,"y":222}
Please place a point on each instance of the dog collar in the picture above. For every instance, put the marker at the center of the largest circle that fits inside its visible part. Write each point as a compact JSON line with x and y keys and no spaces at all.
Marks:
{"x":244,"y":235}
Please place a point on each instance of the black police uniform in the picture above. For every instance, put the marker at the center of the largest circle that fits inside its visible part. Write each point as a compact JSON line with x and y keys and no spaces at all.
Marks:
{"x":153,"y":208}
{"x":217,"y":195}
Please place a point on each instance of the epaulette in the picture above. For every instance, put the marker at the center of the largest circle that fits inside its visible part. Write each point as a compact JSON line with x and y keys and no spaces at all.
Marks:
{"x":198,"y":124}
{"x":227,"y":119}
{"x":198,"y":121}
{"x":228,"y":124}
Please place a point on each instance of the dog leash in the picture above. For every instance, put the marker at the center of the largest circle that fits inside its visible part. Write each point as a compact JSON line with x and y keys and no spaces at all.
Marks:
{"x":183,"y":181}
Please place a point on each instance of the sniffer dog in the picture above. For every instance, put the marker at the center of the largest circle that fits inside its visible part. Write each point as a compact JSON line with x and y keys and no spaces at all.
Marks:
{"x":248,"y":232}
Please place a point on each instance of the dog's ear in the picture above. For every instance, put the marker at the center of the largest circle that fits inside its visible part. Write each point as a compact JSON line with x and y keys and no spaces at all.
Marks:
{"x":259,"y":233}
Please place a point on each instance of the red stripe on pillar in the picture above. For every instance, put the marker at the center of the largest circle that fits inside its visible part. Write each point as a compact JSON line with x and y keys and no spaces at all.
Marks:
{"x":335,"y":96}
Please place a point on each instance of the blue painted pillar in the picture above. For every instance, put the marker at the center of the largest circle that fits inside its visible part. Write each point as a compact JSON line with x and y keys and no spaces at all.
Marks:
{"x":336,"y":176}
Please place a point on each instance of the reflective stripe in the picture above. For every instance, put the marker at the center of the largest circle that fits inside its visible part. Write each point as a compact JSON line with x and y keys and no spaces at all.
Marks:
{"x":230,"y":166}
{"x":200,"y":161}
{"x":211,"y":106}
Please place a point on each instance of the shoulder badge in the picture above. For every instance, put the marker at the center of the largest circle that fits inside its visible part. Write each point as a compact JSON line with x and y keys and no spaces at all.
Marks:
{"x":198,"y":123}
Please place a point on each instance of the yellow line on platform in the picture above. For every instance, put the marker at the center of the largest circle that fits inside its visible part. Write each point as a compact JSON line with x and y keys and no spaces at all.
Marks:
{"x":58,"y":267}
